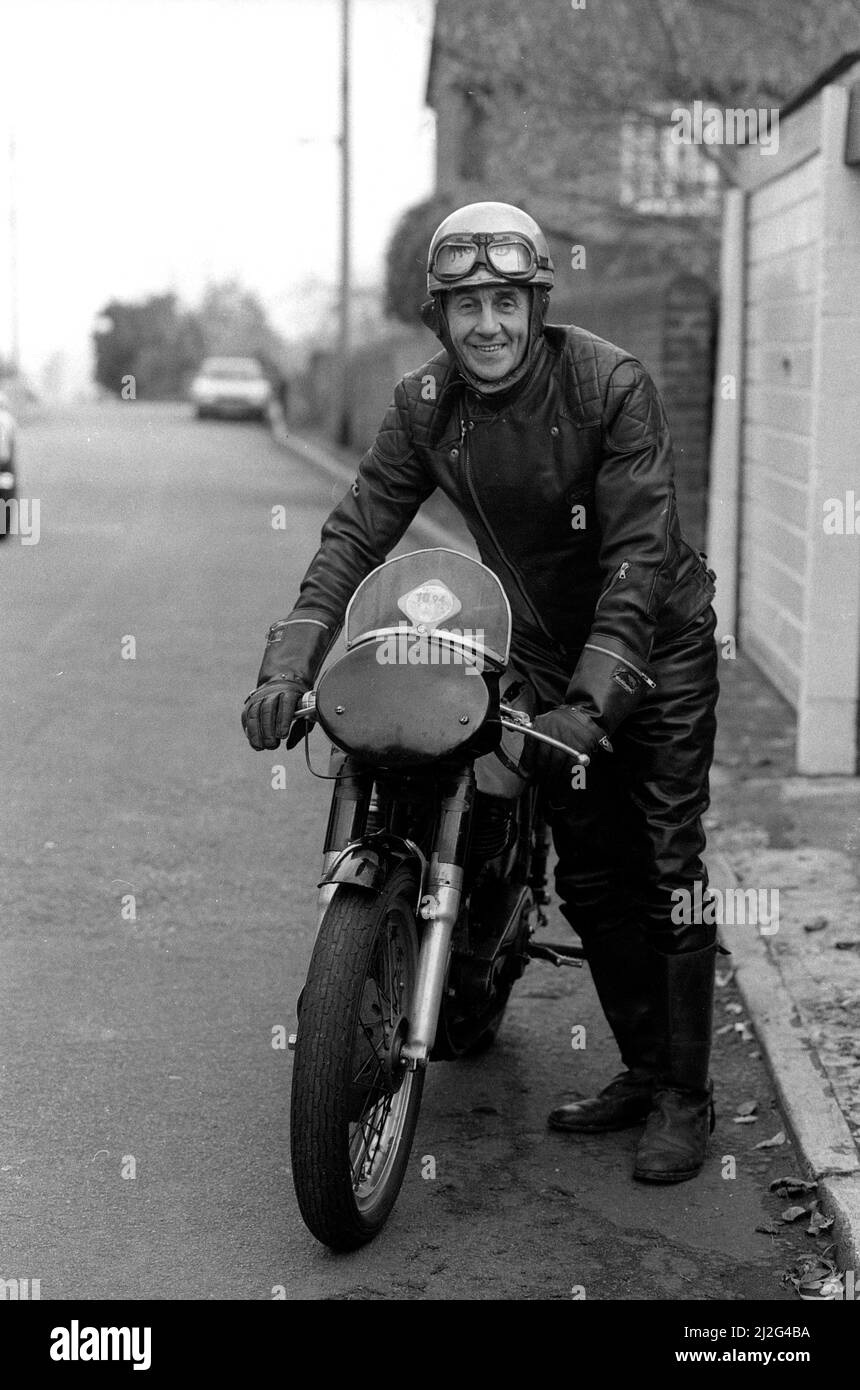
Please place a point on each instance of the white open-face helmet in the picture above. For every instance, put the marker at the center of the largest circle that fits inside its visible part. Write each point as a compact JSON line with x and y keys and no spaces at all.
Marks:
{"x":487,"y":244}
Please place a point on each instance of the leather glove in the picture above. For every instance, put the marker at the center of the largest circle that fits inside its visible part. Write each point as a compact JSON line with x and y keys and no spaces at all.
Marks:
{"x":571,"y":726}
{"x":295,"y":650}
{"x":269,"y":711}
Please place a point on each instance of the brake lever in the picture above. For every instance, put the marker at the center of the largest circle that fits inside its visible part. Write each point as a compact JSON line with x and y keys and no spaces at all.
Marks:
{"x":306,"y":711}
{"x":519,"y":722}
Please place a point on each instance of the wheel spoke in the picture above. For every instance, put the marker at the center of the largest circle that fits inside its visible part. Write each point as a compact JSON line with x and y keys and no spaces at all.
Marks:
{"x":383,"y":1002}
{"x":379,"y":984}
{"x":397,"y":981}
{"x":368,"y":1158}
{"x":365,"y":1158}
{"x":362,"y":1130}
{"x":363,"y":1068}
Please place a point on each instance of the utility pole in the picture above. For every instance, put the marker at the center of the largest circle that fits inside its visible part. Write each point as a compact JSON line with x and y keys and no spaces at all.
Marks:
{"x":14,"y":354}
{"x":344,"y":431}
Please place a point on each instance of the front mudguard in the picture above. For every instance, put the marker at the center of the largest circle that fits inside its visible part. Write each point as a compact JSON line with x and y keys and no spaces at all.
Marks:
{"x":369,"y":864}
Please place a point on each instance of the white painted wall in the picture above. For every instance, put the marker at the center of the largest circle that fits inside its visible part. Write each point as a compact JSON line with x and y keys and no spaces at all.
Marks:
{"x":791,"y":331}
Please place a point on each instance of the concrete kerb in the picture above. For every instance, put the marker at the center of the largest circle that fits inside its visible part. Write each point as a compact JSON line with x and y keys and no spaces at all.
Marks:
{"x":817,"y":1124}
{"x":424,"y":530}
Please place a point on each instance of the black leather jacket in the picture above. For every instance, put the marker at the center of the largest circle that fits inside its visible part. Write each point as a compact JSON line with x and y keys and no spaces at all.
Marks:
{"x":566,"y":484}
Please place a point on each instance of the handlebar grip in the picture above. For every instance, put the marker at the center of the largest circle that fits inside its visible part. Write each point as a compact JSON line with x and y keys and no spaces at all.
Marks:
{"x":518,"y":726}
{"x":305,"y":712}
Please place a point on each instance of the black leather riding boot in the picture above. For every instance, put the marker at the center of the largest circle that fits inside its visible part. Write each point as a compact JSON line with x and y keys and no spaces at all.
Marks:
{"x":624,"y":971}
{"x":673,"y":1146}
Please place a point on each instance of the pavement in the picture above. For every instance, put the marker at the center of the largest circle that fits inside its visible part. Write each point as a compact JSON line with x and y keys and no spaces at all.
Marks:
{"x":793,"y":976}
{"x":799,"y":973}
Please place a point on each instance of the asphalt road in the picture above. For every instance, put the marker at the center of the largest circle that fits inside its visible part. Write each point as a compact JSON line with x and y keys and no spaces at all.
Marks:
{"x":144,"y":1119}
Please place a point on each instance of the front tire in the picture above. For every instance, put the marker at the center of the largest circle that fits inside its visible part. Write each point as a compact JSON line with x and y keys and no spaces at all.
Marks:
{"x":354,"y":1105}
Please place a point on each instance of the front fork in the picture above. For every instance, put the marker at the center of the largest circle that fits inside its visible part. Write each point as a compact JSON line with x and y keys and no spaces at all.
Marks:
{"x":346,"y":822}
{"x":442,"y":889}
{"x":440,"y":908}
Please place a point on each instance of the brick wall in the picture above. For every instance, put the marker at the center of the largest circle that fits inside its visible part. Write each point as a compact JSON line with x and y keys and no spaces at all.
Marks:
{"x":668,"y":322}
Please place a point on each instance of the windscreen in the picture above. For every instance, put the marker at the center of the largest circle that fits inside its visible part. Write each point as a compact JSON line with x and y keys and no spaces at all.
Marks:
{"x":433,"y":591}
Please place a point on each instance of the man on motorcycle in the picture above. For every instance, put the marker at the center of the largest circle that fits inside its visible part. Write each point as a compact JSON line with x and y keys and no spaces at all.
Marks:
{"x":554,"y":446}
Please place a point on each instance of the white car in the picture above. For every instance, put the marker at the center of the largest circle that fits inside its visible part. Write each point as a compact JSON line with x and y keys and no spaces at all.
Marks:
{"x":8,"y":430}
{"x":234,"y":386}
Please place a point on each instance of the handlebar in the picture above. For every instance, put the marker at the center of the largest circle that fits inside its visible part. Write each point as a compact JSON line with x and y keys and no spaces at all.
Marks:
{"x":514,"y":719}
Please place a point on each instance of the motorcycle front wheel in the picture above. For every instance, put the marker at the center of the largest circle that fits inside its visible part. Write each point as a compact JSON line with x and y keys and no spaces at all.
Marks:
{"x":354,"y":1103}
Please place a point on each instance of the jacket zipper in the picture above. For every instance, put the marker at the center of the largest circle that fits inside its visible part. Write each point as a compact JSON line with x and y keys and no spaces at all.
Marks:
{"x":606,"y":652}
{"x":622,"y":574}
{"x":490,"y":532}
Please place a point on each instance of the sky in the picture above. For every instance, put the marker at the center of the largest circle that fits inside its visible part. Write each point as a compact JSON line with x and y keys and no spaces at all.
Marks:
{"x":163,"y":143}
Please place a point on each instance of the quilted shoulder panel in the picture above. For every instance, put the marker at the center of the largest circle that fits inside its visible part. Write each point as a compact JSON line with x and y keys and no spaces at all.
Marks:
{"x":590,"y":364}
{"x":429,"y":393}
{"x":633,"y":413}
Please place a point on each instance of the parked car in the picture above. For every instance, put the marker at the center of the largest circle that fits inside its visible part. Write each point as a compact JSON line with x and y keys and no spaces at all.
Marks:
{"x":231,"y":386}
{"x":8,"y":479}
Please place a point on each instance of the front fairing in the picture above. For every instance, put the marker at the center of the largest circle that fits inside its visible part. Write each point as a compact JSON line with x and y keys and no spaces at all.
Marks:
{"x":427,"y":636}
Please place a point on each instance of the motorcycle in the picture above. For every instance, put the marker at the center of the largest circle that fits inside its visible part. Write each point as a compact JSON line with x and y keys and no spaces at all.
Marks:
{"x":432,"y":887}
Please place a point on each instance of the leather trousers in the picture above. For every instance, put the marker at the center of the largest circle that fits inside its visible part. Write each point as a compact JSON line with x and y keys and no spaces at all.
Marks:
{"x":632,"y":834}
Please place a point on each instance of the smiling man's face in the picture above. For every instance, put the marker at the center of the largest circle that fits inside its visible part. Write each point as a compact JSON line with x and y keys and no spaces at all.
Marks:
{"x":489,"y":326}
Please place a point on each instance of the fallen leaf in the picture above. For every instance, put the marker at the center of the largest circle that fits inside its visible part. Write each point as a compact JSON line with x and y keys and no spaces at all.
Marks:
{"x":744,"y":1030}
{"x":847,"y":945}
{"x":816,"y":1278}
{"x":810,"y":1270}
{"x":722,"y":979}
{"x":747,"y":1107}
{"x":793,"y":1214}
{"x":726,"y":1028}
{"x":791,"y":1187}
{"x":833,"y":1287}
{"x":819,"y":1223}
{"x":775,"y":1143}
{"x":744,"y":1119}
{"x":733,"y":1008}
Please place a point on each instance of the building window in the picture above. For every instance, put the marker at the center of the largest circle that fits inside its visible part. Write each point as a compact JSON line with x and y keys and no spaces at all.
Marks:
{"x":659,"y":176}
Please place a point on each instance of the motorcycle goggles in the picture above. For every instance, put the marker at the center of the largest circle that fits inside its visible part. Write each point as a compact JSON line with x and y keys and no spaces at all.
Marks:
{"x":510,"y":255}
